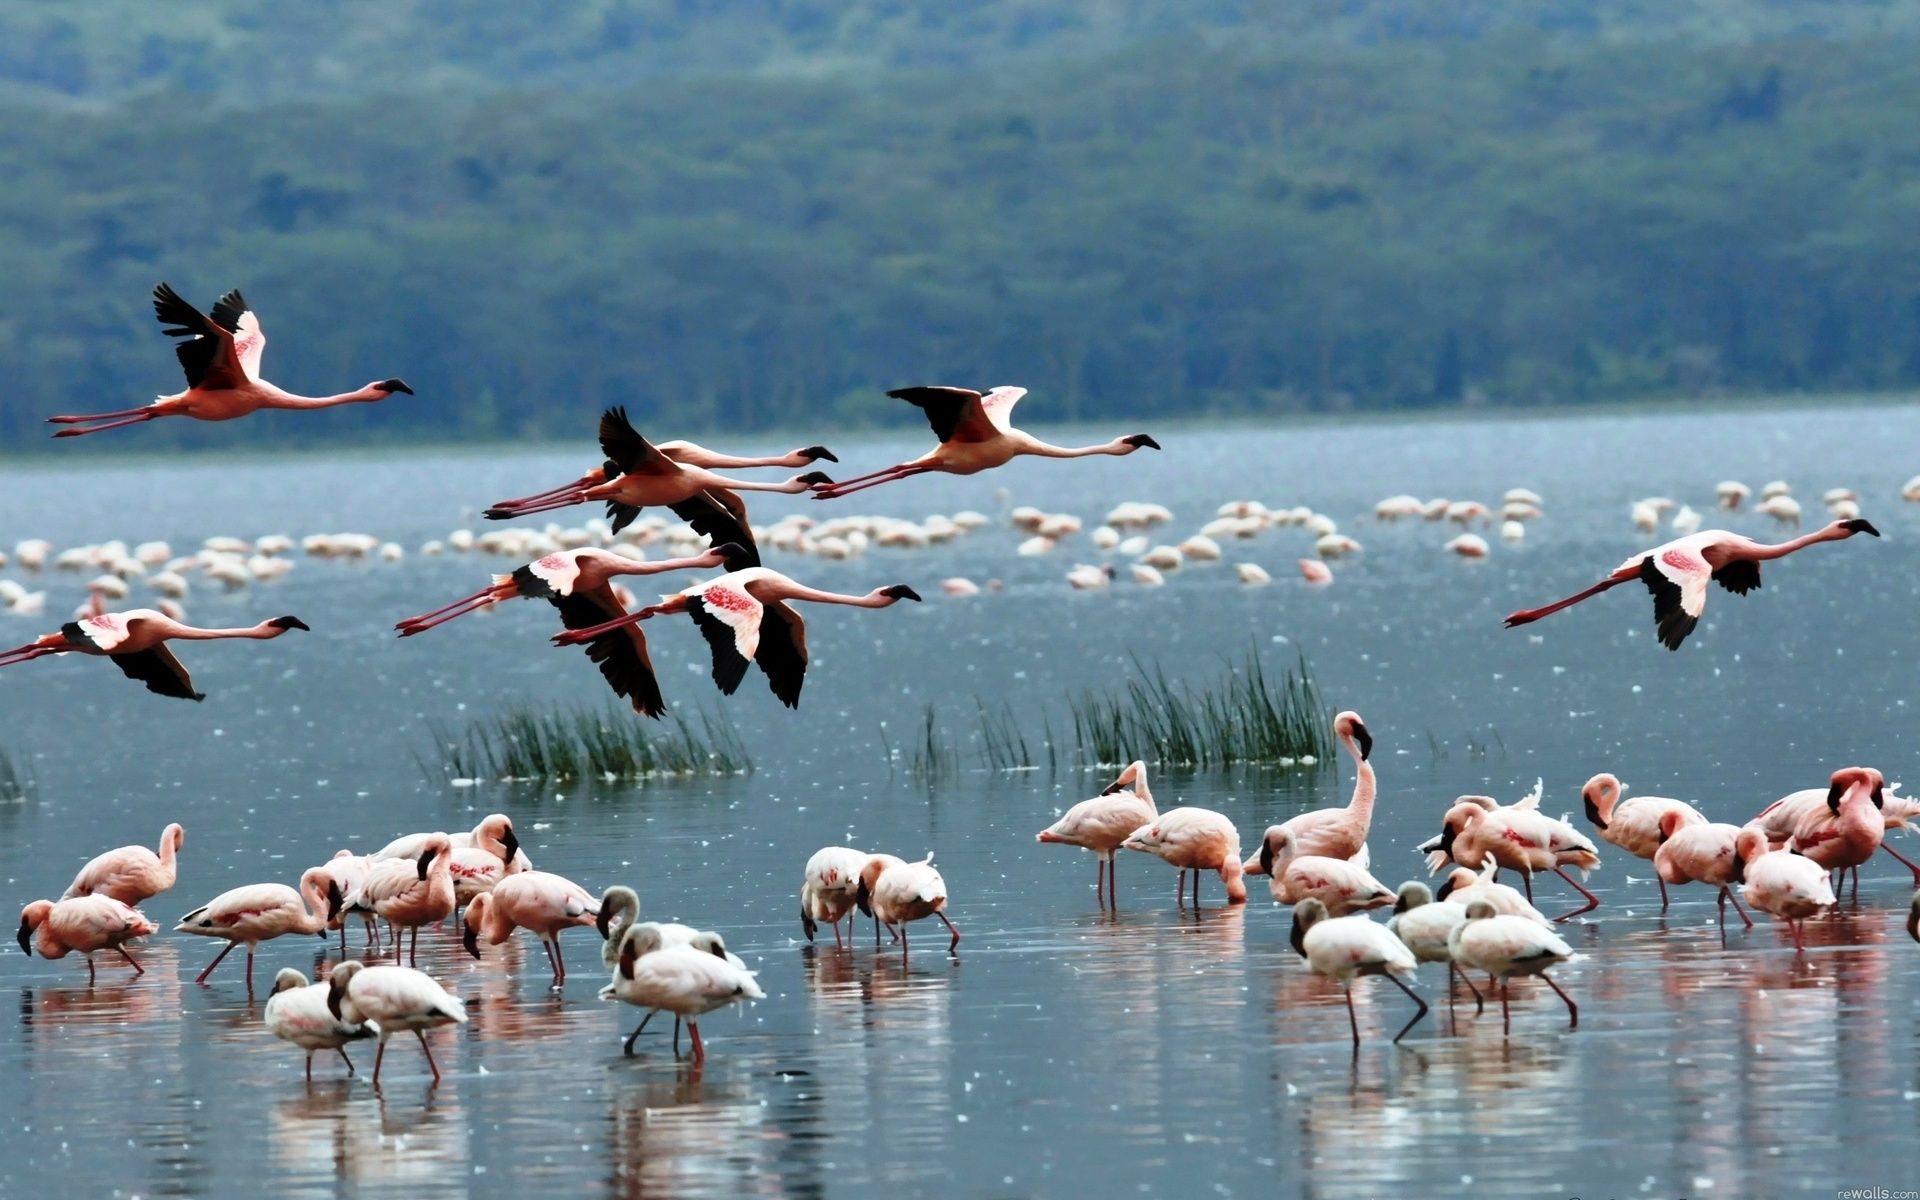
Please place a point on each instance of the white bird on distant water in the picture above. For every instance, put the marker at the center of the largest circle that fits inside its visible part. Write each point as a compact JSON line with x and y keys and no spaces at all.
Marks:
{"x":1343,"y":947}
{"x":1252,"y":574}
{"x":1085,"y":578}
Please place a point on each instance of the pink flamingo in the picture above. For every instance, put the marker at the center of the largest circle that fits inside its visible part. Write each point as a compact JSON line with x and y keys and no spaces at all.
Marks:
{"x":1678,"y":572}
{"x":82,"y":925}
{"x":256,"y":913}
{"x":1504,"y":946}
{"x":136,"y":642}
{"x":976,"y":434}
{"x":893,"y":893}
{"x":746,"y":618}
{"x":1635,"y":825}
{"x":221,"y":358}
{"x":1779,"y":820}
{"x":1781,"y":883}
{"x":1103,"y":823}
{"x":1341,"y":885}
{"x":687,"y":454}
{"x":638,"y":475}
{"x":1700,"y":852}
{"x":394,"y":999}
{"x":1463,"y":887}
{"x":130,"y":874}
{"x":1520,"y":838}
{"x":1342,"y":947}
{"x":1194,"y":839}
{"x":342,"y":876}
{"x":1327,"y":832}
{"x":580,"y":584}
{"x":410,"y":893}
{"x":537,"y":901}
{"x":1847,"y":831}
{"x":829,"y":890}
{"x":494,"y":834}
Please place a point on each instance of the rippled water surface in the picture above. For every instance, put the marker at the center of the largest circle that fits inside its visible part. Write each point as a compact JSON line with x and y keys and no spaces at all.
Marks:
{"x":1059,"y":1052}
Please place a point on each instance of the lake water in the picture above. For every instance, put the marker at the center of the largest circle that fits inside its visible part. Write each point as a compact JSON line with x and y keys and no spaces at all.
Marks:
{"x":1155,"y":1052}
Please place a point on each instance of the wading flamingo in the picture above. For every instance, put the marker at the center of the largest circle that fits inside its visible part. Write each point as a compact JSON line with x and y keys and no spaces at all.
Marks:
{"x":221,"y":358}
{"x":1849,"y":828}
{"x":344,"y":874}
{"x":1504,"y":946}
{"x":1326,"y":832}
{"x":645,"y":477}
{"x":131,"y":873}
{"x":1634,"y":825}
{"x":1425,"y":926}
{"x":580,"y":584}
{"x":1343,"y":947}
{"x":894,"y":893}
{"x":136,"y":642}
{"x":684,"y":980}
{"x":409,"y":893}
{"x":1344,"y":886}
{"x":1194,"y":839}
{"x":620,"y":909}
{"x":976,"y":433}
{"x":829,"y":890}
{"x":1700,"y":852}
{"x":259,"y":912}
{"x":1520,"y":838}
{"x":746,"y":618}
{"x":494,"y":834}
{"x":1463,"y":887}
{"x":539,"y":902}
{"x":1677,"y":574}
{"x":297,"y":1012}
{"x":1779,"y":819}
{"x":82,"y":925}
{"x":1103,"y":823}
{"x":394,"y":999}
{"x":1780,"y":883}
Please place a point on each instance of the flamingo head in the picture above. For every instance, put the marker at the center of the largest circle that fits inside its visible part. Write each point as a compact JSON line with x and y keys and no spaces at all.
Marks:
{"x":287,"y":980}
{"x":1459,"y":877}
{"x":618,"y":906}
{"x":388,"y":387}
{"x":1855,"y":525}
{"x":1306,"y":915}
{"x":1670,"y":823}
{"x":898,"y":591}
{"x":1849,"y":779}
{"x":470,"y":922}
{"x":1348,"y":725}
{"x":1276,"y":847}
{"x":815,"y":454}
{"x":1600,"y":795}
{"x":498,"y":827}
{"x":1412,"y":894}
{"x":337,"y":984}
{"x":639,"y":940}
{"x":30,"y":918}
{"x":732,"y":555}
{"x":1135,"y":441}
{"x":437,"y":847}
{"x":1480,"y":910}
{"x":281,"y":624}
{"x":1748,"y":845}
{"x":174,"y":835}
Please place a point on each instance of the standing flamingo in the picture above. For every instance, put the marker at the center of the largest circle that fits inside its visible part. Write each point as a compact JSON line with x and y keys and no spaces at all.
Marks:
{"x":893,"y":893}
{"x":1846,"y":832}
{"x":410,"y":893}
{"x":542,"y":903}
{"x":580,"y":584}
{"x":1779,"y":819}
{"x":976,"y":433}
{"x":1103,"y":823}
{"x":1194,"y":839}
{"x":1343,"y":947}
{"x":829,"y":891}
{"x":1504,"y":946}
{"x":256,"y":913}
{"x":494,"y":834}
{"x":393,"y":999}
{"x":1342,"y":885}
{"x":645,"y":477}
{"x":1326,"y":832}
{"x":1677,"y":574}
{"x":620,"y":909}
{"x":1426,"y":926}
{"x":1701,"y":852}
{"x":1634,"y":825}
{"x":297,"y":1012}
{"x":136,"y":642}
{"x":221,"y":358}
{"x":1781,"y":883}
{"x":1520,"y":838}
{"x":130,"y":874}
{"x":83,"y":925}
{"x":343,"y":875}
{"x":746,"y":618}
{"x":1463,"y":887}
{"x":684,"y":980}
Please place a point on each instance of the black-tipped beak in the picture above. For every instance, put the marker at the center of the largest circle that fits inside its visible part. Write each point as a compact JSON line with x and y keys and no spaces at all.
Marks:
{"x":333,"y":1000}
{"x":426,"y":860}
{"x":1446,"y":840}
{"x":1298,"y":937}
{"x":1266,"y":857}
{"x":470,"y":938}
{"x":1739,"y":869}
{"x":602,"y":920}
{"x":1365,"y":739}
{"x":813,"y":477}
{"x":333,"y":900}
{"x":25,"y":931}
{"x":290,"y":623}
{"x":1141,"y":439}
{"x":1446,"y":889}
{"x":1833,"y":796}
{"x":395,"y":385}
{"x":816,"y":453}
{"x":1593,"y":813}
{"x":861,"y":898}
{"x":1858,"y":525}
{"x":511,"y":841}
{"x":1400,"y":905}
{"x":900,"y":591}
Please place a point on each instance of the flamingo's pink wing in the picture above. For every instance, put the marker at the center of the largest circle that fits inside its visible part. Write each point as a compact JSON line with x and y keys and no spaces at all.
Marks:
{"x":998,"y":405}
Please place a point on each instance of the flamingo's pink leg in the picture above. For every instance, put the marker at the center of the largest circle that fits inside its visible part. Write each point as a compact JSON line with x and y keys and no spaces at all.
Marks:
{"x":1353,"y":1022}
{"x":139,"y":420}
{"x":1526,"y":615}
{"x":202,"y":976}
{"x":1573,"y":1010}
{"x":1421,"y":1012}
{"x":131,"y":961}
{"x":379,"y":1057}
{"x":699,"y":1050}
{"x":1592,"y":903}
{"x":1664,"y":899}
{"x":950,"y":929}
{"x":576,"y":637}
{"x":883,"y":471}
{"x":92,"y":417}
{"x":1904,"y":861}
{"x":1736,"y":907}
{"x":839,"y":490}
{"x":431,"y":1065}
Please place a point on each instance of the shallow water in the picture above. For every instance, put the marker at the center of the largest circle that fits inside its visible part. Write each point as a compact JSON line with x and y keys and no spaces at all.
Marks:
{"x":1060,"y":1052}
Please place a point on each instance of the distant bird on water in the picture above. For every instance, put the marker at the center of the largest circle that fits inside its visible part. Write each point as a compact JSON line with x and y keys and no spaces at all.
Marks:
{"x":976,"y":434}
{"x":745,"y":618}
{"x":1678,"y":573}
{"x":136,"y":642}
{"x":221,"y":357}
{"x":580,"y":584}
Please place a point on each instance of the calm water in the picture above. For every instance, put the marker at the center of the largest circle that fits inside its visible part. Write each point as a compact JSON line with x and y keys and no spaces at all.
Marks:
{"x":1061,"y":1052}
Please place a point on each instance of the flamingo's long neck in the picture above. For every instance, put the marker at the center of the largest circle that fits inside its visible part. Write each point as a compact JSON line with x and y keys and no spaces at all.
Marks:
{"x":1761,"y":551}
{"x":187,"y":633}
{"x":1364,"y":785}
{"x":707,"y":479}
{"x":166,"y":851}
{"x":313,"y":907}
{"x":1042,"y":449}
{"x":284,"y":399}
{"x":870,"y":600}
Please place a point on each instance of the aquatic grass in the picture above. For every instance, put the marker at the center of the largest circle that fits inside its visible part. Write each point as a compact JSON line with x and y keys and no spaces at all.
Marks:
{"x":573,"y":743}
{"x":1246,"y":717}
{"x":15,"y":782}
{"x":934,"y":756}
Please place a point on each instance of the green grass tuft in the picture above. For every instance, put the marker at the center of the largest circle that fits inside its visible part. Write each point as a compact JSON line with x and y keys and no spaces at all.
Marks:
{"x":523,"y":743}
{"x":15,"y":782}
{"x":1246,"y":717}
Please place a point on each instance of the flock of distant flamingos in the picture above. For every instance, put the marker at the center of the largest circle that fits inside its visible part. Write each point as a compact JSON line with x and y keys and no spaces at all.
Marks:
{"x":1317,"y":862}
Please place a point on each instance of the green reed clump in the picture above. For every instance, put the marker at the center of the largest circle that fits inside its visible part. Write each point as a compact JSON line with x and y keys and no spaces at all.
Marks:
{"x":525,"y":743}
{"x":933,"y":753}
{"x":1003,"y":743}
{"x":14,"y":781}
{"x":1245,"y":717}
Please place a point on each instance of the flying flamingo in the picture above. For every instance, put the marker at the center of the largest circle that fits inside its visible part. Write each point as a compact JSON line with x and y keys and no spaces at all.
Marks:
{"x":829,"y":890}
{"x":646,"y":477}
{"x":542,"y":903}
{"x":1700,"y":852}
{"x":976,"y":433}
{"x":1327,"y":832}
{"x":1504,"y":946}
{"x":1343,"y":947}
{"x":893,"y":893}
{"x":1635,"y":825}
{"x":393,"y":999}
{"x":256,"y":913}
{"x":136,"y":642}
{"x":221,"y":357}
{"x":297,"y":1012}
{"x":1781,"y":883}
{"x":687,"y":454}
{"x":1677,"y":574}
{"x":580,"y":584}
{"x":1103,"y":823}
{"x":684,"y":980}
{"x":1194,"y":839}
{"x":410,"y":893}
{"x":83,"y":924}
{"x":130,"y":874}
{"x":745,"y":618}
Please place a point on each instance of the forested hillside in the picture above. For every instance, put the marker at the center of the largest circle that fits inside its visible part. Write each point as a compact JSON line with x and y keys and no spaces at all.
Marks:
{"x":752,"y":213}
